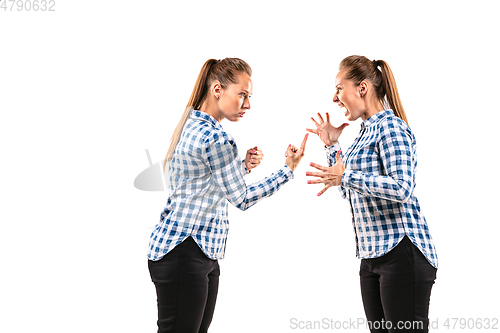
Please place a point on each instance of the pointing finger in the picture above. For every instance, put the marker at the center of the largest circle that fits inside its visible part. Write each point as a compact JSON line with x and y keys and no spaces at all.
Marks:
{"x":303,"y":145}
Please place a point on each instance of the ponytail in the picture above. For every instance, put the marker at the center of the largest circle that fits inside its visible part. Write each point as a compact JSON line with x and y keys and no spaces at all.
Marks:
{"x":391,"y":90}
{"x":359,"y":68}
{"x":225,"y":72}
{"x":195,"y":101}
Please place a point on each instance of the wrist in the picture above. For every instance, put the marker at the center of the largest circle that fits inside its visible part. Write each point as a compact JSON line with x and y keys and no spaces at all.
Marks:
{"x":331,"y":144}
{"x":292,"y":166}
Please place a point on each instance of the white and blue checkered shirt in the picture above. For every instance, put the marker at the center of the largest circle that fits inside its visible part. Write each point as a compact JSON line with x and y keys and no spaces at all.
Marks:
{"x":379,"y":183}
{"x":205,"y":173}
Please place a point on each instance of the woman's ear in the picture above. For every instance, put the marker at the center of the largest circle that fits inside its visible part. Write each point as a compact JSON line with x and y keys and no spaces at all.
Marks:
{"x":363,"y":88}
{"x":216,"y":90}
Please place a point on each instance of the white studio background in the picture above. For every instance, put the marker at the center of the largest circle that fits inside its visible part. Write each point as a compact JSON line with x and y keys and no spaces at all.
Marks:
{"x":84,"y":90}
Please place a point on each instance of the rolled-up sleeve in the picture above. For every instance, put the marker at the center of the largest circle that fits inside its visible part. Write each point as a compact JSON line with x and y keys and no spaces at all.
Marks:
{"x":396,"y":155}
{"x":225,"y":166}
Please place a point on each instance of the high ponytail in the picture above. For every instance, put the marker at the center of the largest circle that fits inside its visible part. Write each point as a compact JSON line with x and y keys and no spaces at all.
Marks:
{"x":224,"y":71}
{"x":391,"y":90}
{"x":359,"y":68}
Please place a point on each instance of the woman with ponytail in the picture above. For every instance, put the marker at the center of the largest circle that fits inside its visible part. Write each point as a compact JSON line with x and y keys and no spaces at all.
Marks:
{"x":205,"y":174}
{"x":377,"y":177}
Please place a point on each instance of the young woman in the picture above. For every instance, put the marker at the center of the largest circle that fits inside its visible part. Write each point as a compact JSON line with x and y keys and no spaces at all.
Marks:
{"x":205,"y":174}
{"x":377,"y":176}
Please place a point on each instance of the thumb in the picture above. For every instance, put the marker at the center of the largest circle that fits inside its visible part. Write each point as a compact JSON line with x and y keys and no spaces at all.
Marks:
{"x":344,"y":125}
{"x":338,"y":158}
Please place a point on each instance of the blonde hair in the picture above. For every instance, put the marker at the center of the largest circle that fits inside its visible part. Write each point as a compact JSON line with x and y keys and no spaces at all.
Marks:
{"x":359,"y":68}
{"x":224,"y":71}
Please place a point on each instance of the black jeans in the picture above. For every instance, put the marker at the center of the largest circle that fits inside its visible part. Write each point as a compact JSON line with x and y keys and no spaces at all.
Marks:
{"x":186,"y":282}
{"x":396,"y":289}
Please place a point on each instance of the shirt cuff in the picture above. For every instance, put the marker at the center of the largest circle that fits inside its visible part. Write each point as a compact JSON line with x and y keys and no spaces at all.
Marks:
{"x":333,"y":149}
{"x":244,"y":168}
{"x":287,"y":172}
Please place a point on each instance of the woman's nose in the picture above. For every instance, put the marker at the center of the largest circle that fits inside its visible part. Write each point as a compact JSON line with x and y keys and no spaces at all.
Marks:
{"x":246,"y":104}
{"x":335,"y":98}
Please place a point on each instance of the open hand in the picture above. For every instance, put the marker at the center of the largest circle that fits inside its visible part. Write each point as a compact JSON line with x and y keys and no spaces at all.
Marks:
{"x":253,"y":158}
{"x":294,"y":155}
{"x":330,"y":176}
{"x":326,"y":131}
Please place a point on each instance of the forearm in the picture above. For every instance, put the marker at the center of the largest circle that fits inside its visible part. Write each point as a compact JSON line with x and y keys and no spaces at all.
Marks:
{"x":384,"y":187}
{"x":257,"y":191}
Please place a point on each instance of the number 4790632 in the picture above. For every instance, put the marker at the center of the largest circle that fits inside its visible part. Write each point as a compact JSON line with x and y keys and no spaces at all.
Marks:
{"x":28,"y":5}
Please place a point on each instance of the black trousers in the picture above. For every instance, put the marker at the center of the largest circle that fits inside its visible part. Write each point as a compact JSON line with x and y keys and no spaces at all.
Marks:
{"x":396,"y":289}
{"x":186,"y":282}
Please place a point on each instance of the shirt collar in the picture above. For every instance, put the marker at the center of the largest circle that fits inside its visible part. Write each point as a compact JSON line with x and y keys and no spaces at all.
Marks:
{"x":377,"y":117}
{"x":199,"y":115}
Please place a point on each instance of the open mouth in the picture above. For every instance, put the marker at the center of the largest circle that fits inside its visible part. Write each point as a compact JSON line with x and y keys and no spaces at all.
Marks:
{"x":341,"y":105}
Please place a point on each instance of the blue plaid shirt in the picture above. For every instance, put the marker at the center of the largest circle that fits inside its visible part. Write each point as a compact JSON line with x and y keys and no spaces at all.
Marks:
{"x":379,"y":183}
{"x":205,"y":174}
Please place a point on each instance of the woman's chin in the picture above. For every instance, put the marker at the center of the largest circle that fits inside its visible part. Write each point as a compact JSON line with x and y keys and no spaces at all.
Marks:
{"x":349,"y":116}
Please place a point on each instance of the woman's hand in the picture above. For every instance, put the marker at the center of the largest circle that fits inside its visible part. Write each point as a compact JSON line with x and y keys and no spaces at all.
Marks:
{"x":253,"y":157}
{"x":325,"y":130}
{"x":294,"y":155}
{"x":331,"y":176}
